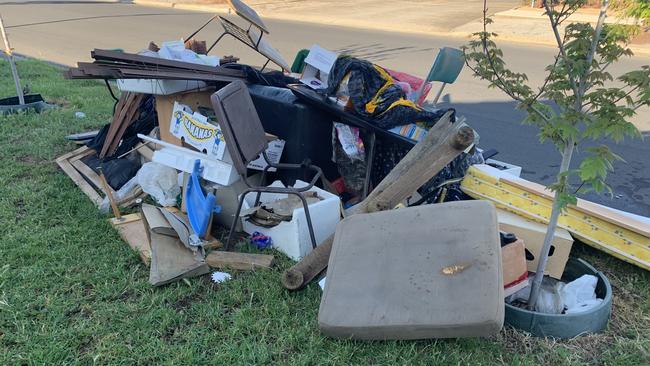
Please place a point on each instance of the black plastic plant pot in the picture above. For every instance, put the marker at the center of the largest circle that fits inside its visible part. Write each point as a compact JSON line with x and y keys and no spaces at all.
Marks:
{"x":32,"y":102}
{"x":567,"y":325}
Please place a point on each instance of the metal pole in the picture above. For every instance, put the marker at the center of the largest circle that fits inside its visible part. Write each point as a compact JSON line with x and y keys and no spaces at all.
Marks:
{"x":10,"y":57}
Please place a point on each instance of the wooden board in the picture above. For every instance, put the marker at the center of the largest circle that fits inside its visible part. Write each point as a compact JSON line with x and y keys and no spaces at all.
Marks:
{"x":71,"y":172}
{"x":586,"y":207}
{"x":133,"y":232}
{"x":87,"y":180}
{"x":240,"y":261}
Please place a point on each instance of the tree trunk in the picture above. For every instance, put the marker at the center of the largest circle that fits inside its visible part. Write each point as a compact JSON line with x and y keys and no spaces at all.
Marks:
{"x":550,"y":232}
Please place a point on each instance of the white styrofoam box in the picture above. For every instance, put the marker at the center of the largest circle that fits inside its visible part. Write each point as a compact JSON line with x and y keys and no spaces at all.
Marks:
{"x":505,"y":167}
{"x":181,"y":158}
{"x":292,"y":237}
{"x":158,"y":86}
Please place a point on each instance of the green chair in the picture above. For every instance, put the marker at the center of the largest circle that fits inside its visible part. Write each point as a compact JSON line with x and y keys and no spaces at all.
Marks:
{"x":445,"y":69}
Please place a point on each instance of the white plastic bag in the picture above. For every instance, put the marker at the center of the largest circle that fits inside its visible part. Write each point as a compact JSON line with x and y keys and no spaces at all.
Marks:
{"x":160,"y":182}
{"x":119,"y":195}
{"x":580,"y":294}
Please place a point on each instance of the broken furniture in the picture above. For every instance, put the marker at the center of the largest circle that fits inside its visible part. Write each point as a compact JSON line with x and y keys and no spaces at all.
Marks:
{"x":246,"y":140}
{"x":446,"y":68}
{"x":621,"y":234}
{"x":252,"y":36}
{"x":443,"y":143}
{"x":431,"y":271}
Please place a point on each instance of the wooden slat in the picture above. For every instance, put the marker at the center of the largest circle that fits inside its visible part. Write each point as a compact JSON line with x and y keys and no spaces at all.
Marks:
{"x":99,"y":54}
{"x":586,"y":207}
{"x":129,"y":117}
{"x":87,"y":172}
{"x":118,"y":118}
{"x":239,"y":261}
{"x":85,"y":187}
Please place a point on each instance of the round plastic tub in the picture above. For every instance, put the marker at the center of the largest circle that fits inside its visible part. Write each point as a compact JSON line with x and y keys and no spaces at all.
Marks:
{"x":567,"y":325}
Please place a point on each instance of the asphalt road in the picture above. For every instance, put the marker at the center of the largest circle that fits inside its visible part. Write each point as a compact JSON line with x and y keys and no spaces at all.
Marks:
{"x":66,"y":31}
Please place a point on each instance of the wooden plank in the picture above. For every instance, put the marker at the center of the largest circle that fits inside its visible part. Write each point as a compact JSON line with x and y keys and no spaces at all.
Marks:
{"x":118,"y":118}
{"x":585,"y":207}
{"x":132,"y":230}
{"x":239,"y":261}
{"x":85,"y":187}
{"x":129,"y":117}
{"x":484,"y":182}
{"x":87,"y":172}
{"x":73,"y":153}
{"x":99,"y":54}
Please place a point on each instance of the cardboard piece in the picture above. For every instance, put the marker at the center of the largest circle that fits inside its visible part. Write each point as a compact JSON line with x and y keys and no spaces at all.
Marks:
{"x":532,"y":233}
{"x":318,"y":65}
{"x":274,"y":152}
{"x":170,"y":260}
{"x":515,"y":271}
{"x":430,"y":271}
{"x":196,"y":130}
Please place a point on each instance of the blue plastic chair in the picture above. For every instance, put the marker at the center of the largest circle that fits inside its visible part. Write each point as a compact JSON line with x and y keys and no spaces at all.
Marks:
{"x":199,"y":205}
{"x":445,"y":69}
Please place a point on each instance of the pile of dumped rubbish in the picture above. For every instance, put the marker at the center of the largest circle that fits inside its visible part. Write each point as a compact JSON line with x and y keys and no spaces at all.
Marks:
{"x":348,"y":168}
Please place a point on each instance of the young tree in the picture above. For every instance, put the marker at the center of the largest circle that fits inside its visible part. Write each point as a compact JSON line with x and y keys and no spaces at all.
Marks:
{"x":578,"y":101}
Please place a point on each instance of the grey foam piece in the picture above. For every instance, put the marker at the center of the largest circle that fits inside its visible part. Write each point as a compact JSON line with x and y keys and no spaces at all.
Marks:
{"x":430,"y":271}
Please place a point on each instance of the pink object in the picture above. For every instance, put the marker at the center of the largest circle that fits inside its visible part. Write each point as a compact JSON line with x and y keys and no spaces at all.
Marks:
{"x":414,"y":81}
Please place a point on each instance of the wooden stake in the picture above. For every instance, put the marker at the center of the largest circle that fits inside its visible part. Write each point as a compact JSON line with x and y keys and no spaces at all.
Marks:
{"x":12,"y":63}
{"x":109,"y":194}
{"x":442,"y":144}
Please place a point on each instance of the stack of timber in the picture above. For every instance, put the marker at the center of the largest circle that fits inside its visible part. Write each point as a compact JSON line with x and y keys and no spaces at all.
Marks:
{"x":120,"y":65}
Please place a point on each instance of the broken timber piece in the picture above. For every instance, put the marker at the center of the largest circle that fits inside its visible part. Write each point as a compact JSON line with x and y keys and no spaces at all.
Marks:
{"x":133,"y":232}
{"x":444,"y":141}
{"x":240,"y":261}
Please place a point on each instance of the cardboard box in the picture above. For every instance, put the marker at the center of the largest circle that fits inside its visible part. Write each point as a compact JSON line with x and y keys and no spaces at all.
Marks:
{"x":165,"y":105}
{"x":318,"y":64}
{"x":515,"y":271}
{"x":532,"y":233}
{"x":196,"y":130}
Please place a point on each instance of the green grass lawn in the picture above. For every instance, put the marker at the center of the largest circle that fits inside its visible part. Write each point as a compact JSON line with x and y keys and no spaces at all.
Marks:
{"x":71,"y":292}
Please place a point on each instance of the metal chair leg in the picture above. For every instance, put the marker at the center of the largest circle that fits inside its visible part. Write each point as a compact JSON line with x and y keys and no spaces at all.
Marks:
{"x":308,"y":216}
{"x":234,"y":220}
{"x":262,"y":184}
